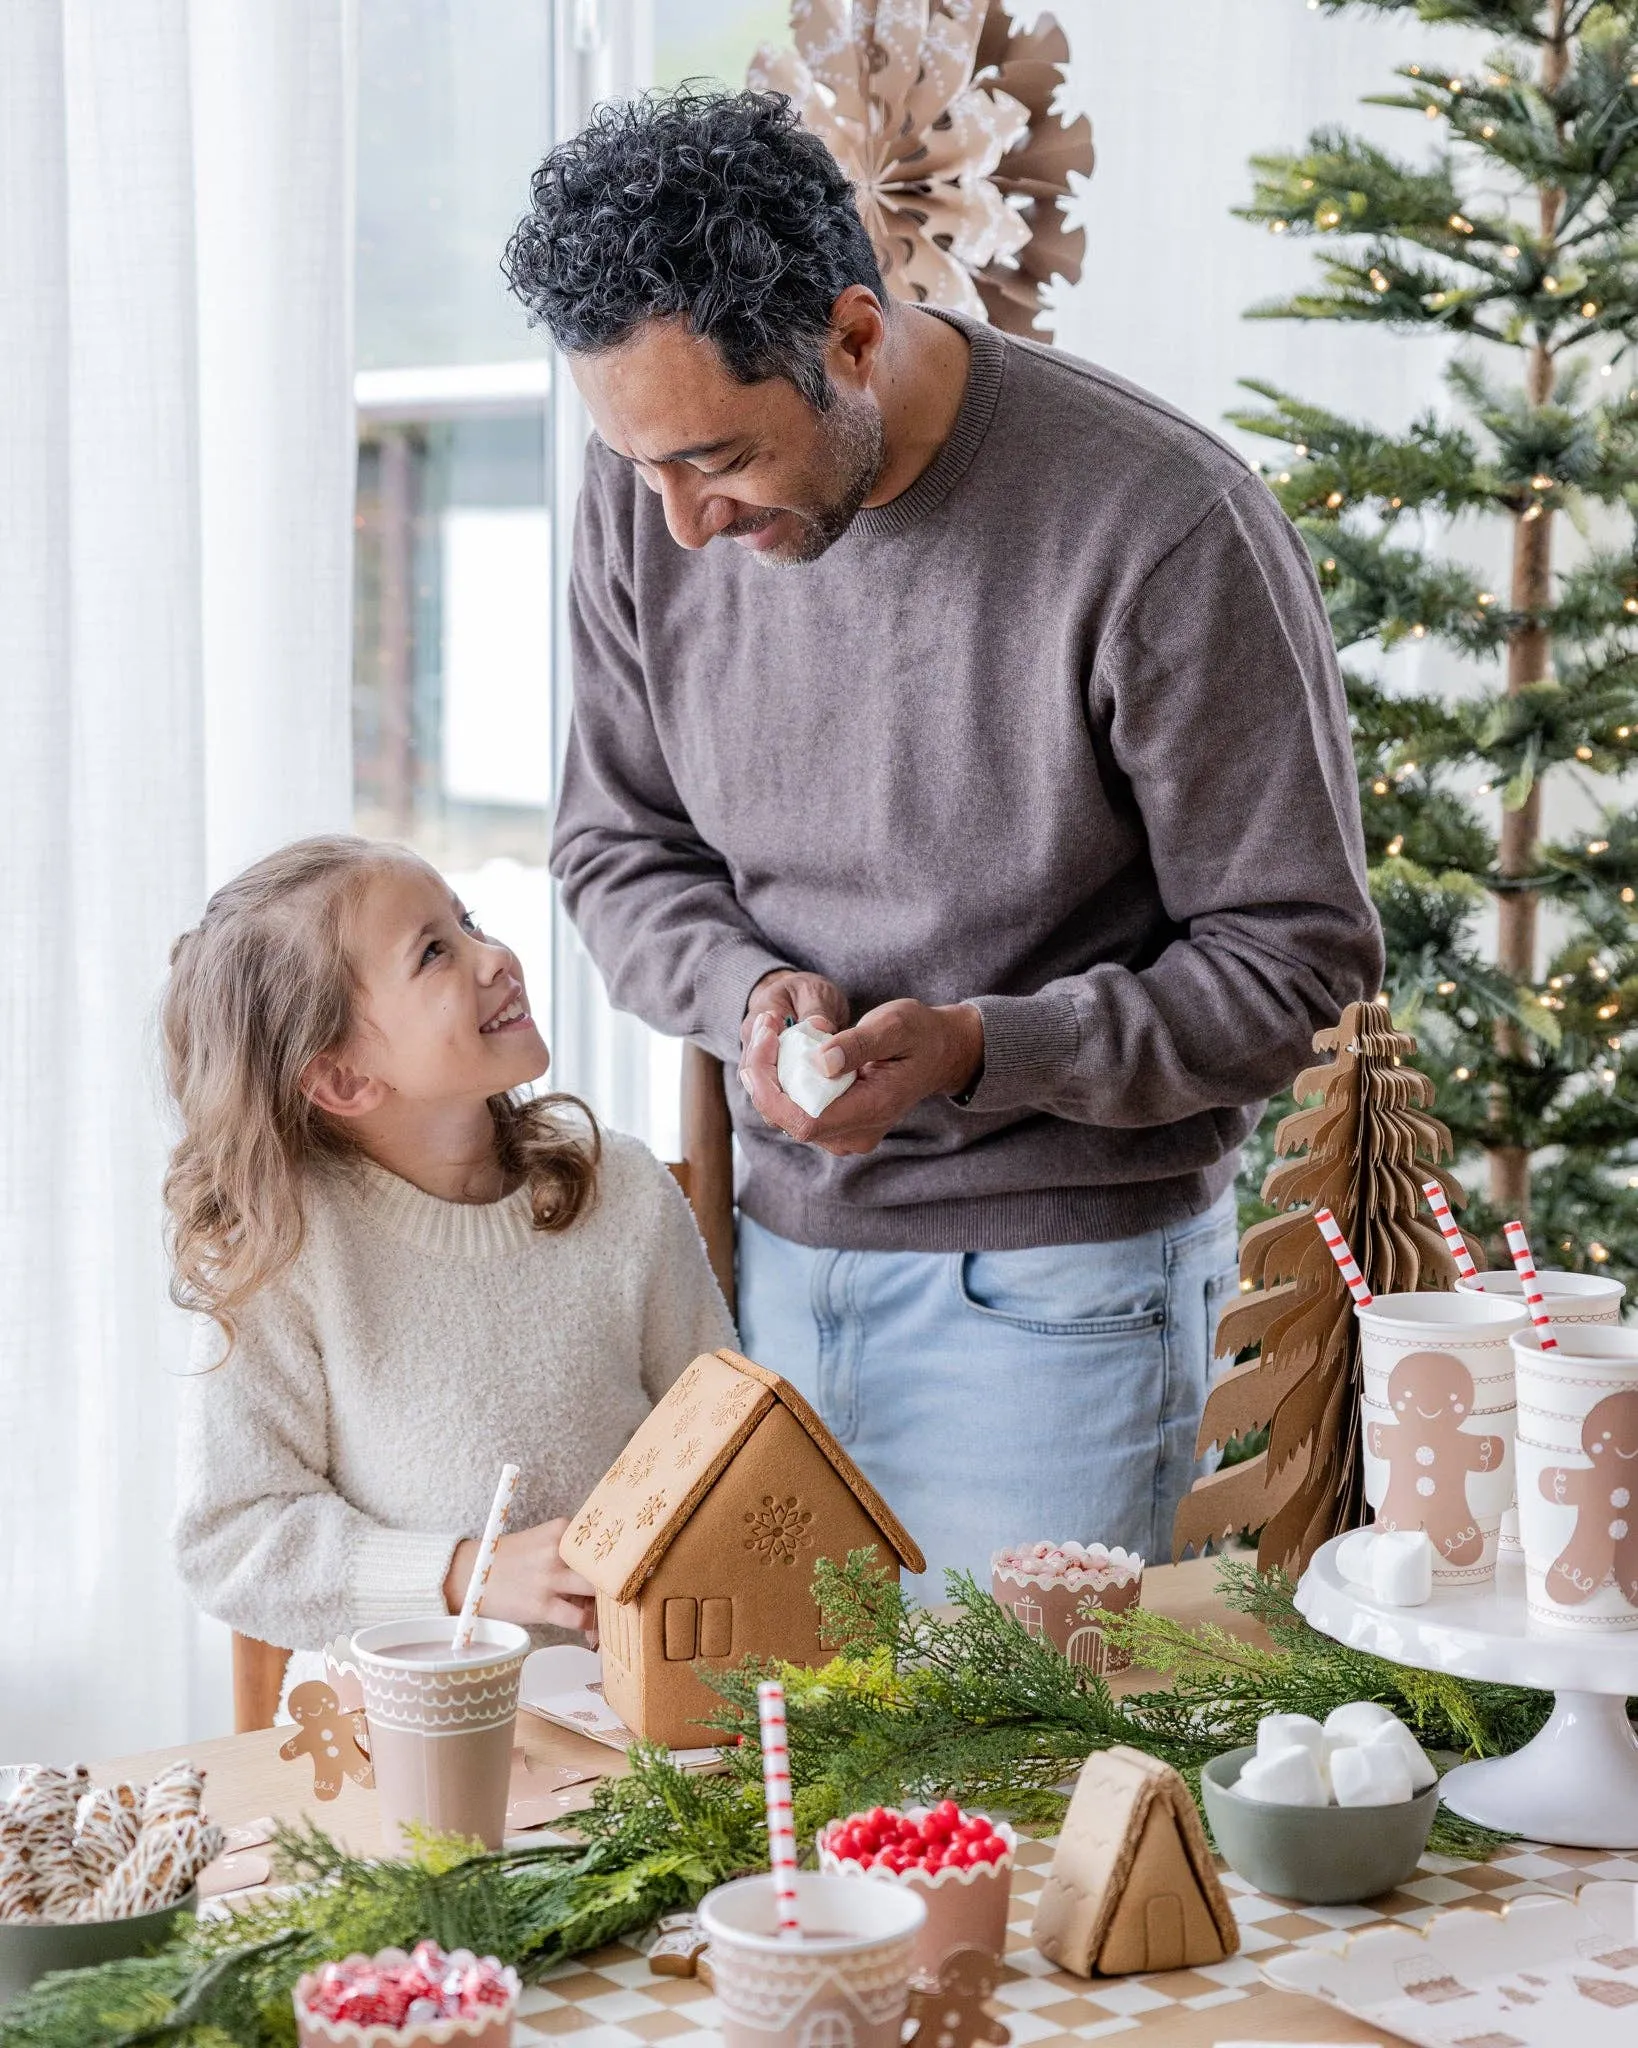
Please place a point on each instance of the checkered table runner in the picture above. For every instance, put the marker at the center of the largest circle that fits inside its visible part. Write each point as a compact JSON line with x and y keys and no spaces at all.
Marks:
{"x":612,"y":2000}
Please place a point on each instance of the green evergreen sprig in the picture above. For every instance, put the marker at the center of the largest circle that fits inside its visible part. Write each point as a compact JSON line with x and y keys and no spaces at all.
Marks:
{"x":654,"y":1841}
{"x":963,"y":1702}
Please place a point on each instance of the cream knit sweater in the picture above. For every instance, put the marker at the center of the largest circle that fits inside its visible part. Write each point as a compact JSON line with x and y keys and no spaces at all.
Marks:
{"x":354,"y":1435}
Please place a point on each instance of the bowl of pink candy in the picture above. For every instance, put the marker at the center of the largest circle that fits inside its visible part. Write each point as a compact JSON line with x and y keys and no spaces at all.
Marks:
{"x":1060,"y":1592}
{"x":425,"y":1999}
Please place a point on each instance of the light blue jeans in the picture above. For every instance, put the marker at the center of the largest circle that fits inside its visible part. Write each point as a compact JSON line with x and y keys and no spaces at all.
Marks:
{"x":1004,"y":1397}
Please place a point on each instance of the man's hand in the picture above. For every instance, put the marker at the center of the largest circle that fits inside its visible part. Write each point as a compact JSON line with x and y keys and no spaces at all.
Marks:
{"x":528,"y":1583}
{"x":902,"y":1052}
{"x":784,"y":997}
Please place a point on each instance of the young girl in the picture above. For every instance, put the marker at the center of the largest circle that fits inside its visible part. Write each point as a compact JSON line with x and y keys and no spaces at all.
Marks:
{"x":411,"y":1275}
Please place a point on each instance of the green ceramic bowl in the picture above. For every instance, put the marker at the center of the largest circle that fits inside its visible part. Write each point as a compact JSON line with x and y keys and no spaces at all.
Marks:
{"x":1317,"y":1855}
{"x":30,"y":1952}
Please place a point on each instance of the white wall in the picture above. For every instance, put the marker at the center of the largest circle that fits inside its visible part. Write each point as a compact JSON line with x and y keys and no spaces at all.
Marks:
{"x":1181,"y":93}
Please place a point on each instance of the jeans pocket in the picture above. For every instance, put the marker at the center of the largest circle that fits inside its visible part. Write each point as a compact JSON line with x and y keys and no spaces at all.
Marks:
{"x":1061,"y":1291}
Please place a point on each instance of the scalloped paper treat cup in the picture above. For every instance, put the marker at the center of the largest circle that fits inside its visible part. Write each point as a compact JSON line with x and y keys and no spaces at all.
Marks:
{"x":491,"y":2028}
{"x":965,"y":1908}
{"x":1063,"y":1608}
{"x":441,"y":1726}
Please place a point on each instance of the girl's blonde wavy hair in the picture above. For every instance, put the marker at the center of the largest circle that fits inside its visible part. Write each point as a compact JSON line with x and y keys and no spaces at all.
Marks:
{"x":258,"y":989}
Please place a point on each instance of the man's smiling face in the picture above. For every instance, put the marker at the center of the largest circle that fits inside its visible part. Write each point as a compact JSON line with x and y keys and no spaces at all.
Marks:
{"x":754,"y":464}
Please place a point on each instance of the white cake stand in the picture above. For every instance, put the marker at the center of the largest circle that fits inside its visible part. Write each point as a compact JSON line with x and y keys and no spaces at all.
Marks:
{"x":1577,"y":1782}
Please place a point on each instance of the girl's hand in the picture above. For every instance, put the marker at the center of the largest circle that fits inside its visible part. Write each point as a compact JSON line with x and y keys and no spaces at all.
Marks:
{"x":528,"y":1583}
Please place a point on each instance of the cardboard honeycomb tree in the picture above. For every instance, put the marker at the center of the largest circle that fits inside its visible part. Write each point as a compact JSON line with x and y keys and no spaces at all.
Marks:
{"x":1362,"y":1151}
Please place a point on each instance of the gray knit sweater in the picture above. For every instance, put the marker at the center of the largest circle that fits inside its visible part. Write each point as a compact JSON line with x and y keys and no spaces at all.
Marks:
{"x":1059,"y":730}
{"x":355,"y":1433}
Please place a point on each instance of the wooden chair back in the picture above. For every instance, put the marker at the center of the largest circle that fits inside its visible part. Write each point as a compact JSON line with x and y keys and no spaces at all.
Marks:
{"x":705,"y":1174}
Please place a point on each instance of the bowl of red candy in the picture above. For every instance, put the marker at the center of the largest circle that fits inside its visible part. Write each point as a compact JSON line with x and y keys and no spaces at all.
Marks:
{"x":960,"y":1863}
{"x":425,"y":1999}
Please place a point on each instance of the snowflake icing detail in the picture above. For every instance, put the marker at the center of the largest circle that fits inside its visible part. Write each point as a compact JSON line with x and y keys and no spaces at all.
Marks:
{"x":588,"y":1522}
{"x":732,"y":1405}
{"x":686,"y":1418}
{"x":607,"y":1540}
{"x":779,"y":1529}
{"x":642,"y":1465}
{"x":688,"y":1453}
{"x":651,"y":1510}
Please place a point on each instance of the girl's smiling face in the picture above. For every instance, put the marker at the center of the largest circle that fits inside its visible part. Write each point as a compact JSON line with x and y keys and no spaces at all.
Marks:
{"x":443,"y":1015}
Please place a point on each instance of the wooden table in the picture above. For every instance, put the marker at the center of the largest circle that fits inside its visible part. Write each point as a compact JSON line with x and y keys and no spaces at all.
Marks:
{"x":609,"y":2001}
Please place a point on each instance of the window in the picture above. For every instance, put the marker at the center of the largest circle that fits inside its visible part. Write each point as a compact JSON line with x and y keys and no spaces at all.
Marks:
{"x":714,"y":39}
{"x":468,"y":463}
{"x":452,"y":689}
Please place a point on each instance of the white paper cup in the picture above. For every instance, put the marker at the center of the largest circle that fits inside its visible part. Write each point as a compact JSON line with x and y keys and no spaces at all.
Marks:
{"x":1437,"y":1422}
{"x":1578,"y":1478}
{"x":1570,"y":1297}
{"x":847,"y":1981}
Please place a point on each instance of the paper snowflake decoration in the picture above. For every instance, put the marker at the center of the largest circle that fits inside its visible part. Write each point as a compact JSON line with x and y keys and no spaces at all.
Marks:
{"x":941,"y":115}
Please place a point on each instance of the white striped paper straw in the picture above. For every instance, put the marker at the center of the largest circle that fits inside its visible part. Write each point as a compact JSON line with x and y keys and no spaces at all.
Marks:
{"x":776,"y":1785}
{"x":499,"y":1508}
{"x":1347,"y":1264}
{"x":1519,"y":1245}
{"x":1449,"y":1229}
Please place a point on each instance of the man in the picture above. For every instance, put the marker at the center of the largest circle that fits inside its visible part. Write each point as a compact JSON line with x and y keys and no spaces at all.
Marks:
{"x":951,"y":693}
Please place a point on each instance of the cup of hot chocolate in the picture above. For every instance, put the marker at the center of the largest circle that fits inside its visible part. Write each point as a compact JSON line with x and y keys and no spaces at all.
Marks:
{"x":441,"y":1723}
{"x":845,"y":1978}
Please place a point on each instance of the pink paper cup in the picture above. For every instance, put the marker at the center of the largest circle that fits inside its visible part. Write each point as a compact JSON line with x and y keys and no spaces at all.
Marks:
{"x":965,"y":1908}
{"x":845,"y":1982}
{"x":491,"y":2028}
{"x":1066,"y":1610}
{"x":441,"y":1725}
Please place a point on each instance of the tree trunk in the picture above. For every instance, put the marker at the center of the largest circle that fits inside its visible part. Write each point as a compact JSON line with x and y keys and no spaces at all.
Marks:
{"x":1529,"y":659}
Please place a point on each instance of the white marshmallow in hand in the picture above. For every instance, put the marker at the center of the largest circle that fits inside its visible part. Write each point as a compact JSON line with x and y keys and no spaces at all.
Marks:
{"x":1396,"y":1736}
{"x":1290,"y":1777}
{"x":800,"y":1075}
{"x":1277,"y":1732}
{"x":1370,"y":1774}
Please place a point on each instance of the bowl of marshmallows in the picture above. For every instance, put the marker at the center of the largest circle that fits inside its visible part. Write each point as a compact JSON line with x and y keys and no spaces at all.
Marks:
{"x":1325,"y":1813}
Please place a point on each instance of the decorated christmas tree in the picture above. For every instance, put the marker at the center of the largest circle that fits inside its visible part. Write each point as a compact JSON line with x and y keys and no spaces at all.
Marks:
{"x":1513,"y":231}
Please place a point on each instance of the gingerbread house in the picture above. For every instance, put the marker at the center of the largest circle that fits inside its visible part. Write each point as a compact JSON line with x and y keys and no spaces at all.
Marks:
{"x":702,"y":1537}
{"x":1132,"y":1885}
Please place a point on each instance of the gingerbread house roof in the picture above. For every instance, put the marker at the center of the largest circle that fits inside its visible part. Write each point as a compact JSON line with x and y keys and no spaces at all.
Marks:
{"x":685,"y":1445}
{"x":1118,"y":1796}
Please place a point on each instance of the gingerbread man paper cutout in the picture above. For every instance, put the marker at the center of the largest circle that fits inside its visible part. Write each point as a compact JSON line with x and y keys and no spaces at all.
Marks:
{"x":1604,"y":1542}
{"x":951,"y":2013}
{"x":326,"y":1735}
{"x":1429,"y":1455}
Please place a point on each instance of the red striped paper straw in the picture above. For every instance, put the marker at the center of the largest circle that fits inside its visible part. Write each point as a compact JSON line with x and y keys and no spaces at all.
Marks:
{"x":1449,"y":1229}
{"x":776,"y":1784}
{"x":1519,"y":1245}
{"x":1347,"y":1264}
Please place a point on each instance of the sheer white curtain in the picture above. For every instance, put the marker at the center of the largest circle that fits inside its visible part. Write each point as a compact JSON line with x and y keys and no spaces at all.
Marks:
{"x":175,"y":531}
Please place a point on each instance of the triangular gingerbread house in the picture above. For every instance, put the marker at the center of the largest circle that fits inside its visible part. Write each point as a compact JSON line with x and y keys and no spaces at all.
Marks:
{"x":1132,"y":1884}
{"x":702,"y":1536}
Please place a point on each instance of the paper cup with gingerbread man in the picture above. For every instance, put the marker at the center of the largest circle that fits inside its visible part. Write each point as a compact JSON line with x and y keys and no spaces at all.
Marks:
{"x":1578,"y":1477}
{"x":1437,"y":1411}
